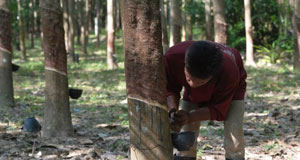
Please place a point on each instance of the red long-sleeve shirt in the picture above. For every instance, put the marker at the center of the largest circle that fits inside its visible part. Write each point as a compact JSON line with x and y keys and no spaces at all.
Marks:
{"x":229,"y":84}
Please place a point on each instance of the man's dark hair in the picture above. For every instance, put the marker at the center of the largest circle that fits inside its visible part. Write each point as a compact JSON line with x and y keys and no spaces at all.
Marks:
{"x":203,"y":59}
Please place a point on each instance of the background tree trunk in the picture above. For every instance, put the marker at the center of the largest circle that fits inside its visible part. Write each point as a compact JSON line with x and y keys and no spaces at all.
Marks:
{"x":145,"y":79}
{"x":296,"y":26}
{"x":189,"y":25}
{"x":84,"y":25}
{"x":21,"y":30}
{"x":66,"y":22}
{"x":111,"y":64}
{"x":98,"y":20}
{"x":31,"y":7}
{"x":57,"y":115}
{"x":249,"y":39}
{"x":220,"y":21}
{"x":71,"y":30}
{"x":6,"y":80}
{"x":183,"y":22}
{"x":175,"y":22}
{"x":208,"y":20}
{"x":165,"y":38}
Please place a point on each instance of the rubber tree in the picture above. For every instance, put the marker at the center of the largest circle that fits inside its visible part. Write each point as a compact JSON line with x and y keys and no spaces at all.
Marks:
{"x":57,"y":115}
{"x":145,"y":81}
{"x":208,"y":20}
{"x":6,"y":80}
{"x":21,"y":31}
{"x":165,"y":40}
{"x":248,"y":30}
{"x":296,"y":27}
{"x":110,"y":28}
{"x":175,"y":22}
{"x":220,"y":25}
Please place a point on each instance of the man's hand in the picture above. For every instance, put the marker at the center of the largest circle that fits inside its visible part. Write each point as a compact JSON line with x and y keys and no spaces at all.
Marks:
{"x":178,"y":119}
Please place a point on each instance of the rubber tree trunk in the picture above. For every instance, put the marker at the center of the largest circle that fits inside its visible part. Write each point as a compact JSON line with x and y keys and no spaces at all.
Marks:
{"x":71,"y":30}
{"x":6,"y":80}
{"x":31,"y":7}
{"x":249,"y":39}
{"x":98,"y":20}
{"x":189,"y":25}
{"x":165,"y":39}
{"x":220,"y":21}
{"x":110,"y":28}
{"x":21,"y":31}
{"x":84,"y":24}
{"x":175,"y":22}
{"x":183,"y":22}
{"x":145,"y":81}
{"x":208,"y":20}
{"x":296,"y":26}
{"x":57,"y":115}
{"x":66,"y":22}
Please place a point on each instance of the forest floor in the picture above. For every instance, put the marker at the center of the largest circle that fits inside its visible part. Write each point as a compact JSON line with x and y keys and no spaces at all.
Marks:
{"x":100,"y":120}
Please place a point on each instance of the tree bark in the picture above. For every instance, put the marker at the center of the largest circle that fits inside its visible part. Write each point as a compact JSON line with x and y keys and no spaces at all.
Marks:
{"x":220,"y":21}
{"x":208,"y":20}
{"x":145,"y":79}
{"x":6,"y":80}
{"x":296,"y":26}
{"x":22,"y":32}
{"x":183,"y":22}
{"x":165,"y":38}
{"x":71,"y":30}
{"x":189,"y":25}
{"x":66,"y":22}
{"x":57,"y":115}
{"x":175,"y":22}
{"x":98,"y":20}
{"x":249,"y":39}
{"x":110,"y":27}
{"x":85,"y":26}
{"x":31,"y":7}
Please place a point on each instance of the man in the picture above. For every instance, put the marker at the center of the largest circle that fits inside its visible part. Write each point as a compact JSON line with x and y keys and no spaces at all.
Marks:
{"x":213,"y":78}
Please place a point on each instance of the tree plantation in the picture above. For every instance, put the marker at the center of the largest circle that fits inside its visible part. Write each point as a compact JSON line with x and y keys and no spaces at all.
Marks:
{"x":133,"y":79}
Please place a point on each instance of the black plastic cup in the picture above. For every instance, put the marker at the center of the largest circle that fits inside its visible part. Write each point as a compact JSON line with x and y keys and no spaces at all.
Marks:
{"x":183,"y":141}
{"x":75,"y":93}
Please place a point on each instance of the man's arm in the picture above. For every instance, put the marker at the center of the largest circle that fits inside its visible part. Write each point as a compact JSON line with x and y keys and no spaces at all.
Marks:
{"x":173,"y":102}
{"x":200,"y":114}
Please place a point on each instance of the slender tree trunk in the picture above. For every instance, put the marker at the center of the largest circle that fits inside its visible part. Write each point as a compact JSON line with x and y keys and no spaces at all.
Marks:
{"x":220,"y":21}
{"x":91,"y":8}
{"x":249,"y":39}
{"x":175,"y":22}
{"x":66,"y":22}
{"x":117,"y":15}
{"x":84,"y":25}
{"x":71,"y":30}
{"x":57,"y":115}
{"x":145,"y":79}
{"x":6,"y":80}
{"x":296,"y":26}
{"x":165,"y":38}
{"x":22,"y":32}
{"x":35,"y":21}
{"x":189,"y":25}
{"x":31,"y":7}
{"x":111,"y":64}
{"x":183,"y":27}
{"x":208,"y":20}
{"x":98,"y":20}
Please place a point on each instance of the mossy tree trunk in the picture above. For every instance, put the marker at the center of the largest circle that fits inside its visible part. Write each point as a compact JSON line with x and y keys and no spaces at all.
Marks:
{"x":6,"y":80}
{"x":145,"y":81}
{"x":57,"y":115}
